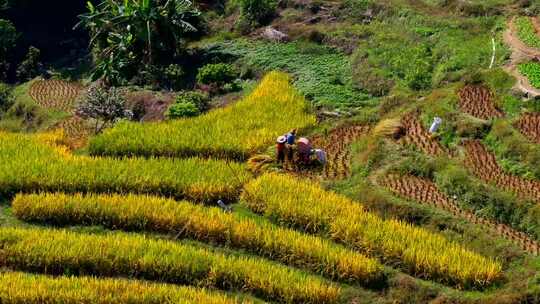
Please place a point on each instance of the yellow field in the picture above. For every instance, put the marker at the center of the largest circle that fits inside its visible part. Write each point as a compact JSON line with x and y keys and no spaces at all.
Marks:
{"x":305,"y":205}
{"x":140,"y":213}
{"x":236,"y":131}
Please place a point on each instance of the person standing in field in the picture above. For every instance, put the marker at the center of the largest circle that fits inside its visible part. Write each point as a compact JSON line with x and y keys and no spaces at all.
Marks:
{"x":291,"y":140}
{"x":280,"y":149}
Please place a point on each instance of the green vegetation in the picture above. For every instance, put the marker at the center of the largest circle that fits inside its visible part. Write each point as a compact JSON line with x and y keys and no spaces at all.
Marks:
{"x":321,"y":73}
{"x":527,"y":32}
{"x":246,"y":127}
{"x":57,"y":252}
{"x":532,"y":71}
{"x":218,"y":74}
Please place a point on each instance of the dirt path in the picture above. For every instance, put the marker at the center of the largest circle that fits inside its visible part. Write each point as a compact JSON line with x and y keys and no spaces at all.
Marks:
{"x":337,"y":145}
{"x":426,"y":192}
{"x":520,"y":53}
{"x":416,"y":135}
{"x":483,"y":164}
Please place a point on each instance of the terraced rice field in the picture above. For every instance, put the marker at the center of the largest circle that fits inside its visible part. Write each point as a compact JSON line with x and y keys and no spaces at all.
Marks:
{"x":483,"y":164}
{"x":337,"y":145}
{"x":529,"y":125}
{"x":426,"y":192}
{"x":55,"y":94}
{"x":416,"y":135}
{"x":306,"y":206}
{"x":477,"y":101}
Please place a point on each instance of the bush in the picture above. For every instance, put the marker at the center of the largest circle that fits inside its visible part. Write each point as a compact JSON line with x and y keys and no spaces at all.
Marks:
{"x":197,"y":98}
{"x":30,"y":67}
{"x":217,"y":74}
{"x":61,"y":251}
{"x":258,"y":11}
{"x":105,"y":105}
{"x":174,"y":76}
{"x":182,"y":110}
{"x":8,"y":40}
{"x":5,"y":97}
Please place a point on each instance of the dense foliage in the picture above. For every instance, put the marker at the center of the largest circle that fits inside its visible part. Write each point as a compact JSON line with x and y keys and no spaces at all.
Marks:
{"x":129,"y":36}
{"x":18,"y":287}
{"x":59,"y":251}
{"x":249,"y":125}
{"x":104,"y":105}
{"x":302,"y":204}
{"x":218,"y":74}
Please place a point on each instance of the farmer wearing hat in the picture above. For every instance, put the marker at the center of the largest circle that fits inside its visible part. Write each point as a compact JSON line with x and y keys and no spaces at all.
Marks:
{"x":280,"y":147}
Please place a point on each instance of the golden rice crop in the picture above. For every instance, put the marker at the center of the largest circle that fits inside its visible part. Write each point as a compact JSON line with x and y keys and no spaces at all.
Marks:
{"x":134,"y":212}
{"x":28,"y":164}
{"x":237,"y":131}
{"x":23,"y":288}
{"x":120,"y":254}
{"x":303,"y":204}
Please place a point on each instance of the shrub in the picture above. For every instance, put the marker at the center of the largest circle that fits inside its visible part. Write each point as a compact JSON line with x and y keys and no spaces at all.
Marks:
{"x":218,"y":74}
{"x":30,"y":67}
{"x":105,"y":105}
{"x":258,"y":11}
{"x":59,"y":251}
{"x":28,"y":164}
{"x":181,"y":110}
{"x":204,"y":224}
{"x":307,"y":206}
{"x":18,"y":287}
{"x":197,"y":98}
{"x":8,"y":40}
{"x":237,"y":131}
{"x":174,"y":76}
{"x":5,"y":97}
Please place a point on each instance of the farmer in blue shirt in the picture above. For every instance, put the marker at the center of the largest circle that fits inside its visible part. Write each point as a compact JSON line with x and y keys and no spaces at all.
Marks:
{"x":291,"y":140}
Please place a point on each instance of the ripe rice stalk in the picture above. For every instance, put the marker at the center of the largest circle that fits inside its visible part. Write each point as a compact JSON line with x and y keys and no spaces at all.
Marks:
{"x":307,"y":206}
{"x":30,"y":163}
{"x":118,"y":254}
{"x":234,"y":132}
{"x":148,"y":213}
{"x":24,"y":288}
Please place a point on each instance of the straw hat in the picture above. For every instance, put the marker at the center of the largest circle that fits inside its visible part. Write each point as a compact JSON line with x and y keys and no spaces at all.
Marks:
{"x":281,"y":139}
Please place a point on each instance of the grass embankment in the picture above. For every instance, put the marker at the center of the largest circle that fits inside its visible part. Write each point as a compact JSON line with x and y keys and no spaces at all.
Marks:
{"x":61,"y":251}
{"x":146,"y":213}
{"x":309,"y":207}
{"x":234,"y":132}
{"x":23,"y":288}
{"x":29,"y":164}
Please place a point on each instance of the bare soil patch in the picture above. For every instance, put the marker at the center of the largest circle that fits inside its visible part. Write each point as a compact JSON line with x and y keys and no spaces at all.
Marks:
{"x":477,"y":100}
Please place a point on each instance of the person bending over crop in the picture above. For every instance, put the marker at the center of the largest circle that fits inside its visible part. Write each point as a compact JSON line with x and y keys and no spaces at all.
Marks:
{"x":280,"y":147}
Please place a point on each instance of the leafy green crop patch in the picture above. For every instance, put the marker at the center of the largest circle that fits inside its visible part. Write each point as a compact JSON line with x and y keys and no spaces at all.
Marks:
{"x":526,"y":32}
{"x":532,"y":71}
{"x":321,"y":73}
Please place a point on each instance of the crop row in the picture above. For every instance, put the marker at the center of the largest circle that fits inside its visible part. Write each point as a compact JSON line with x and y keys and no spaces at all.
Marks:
{"x":234,"y":132}
{"x":526,"y":32}
{"x":532,"y":71}
{"x":117,"y":254}
{"x":23,"y":288}
{"x":146,"y":213}
{"x":309,"y":207}
{"x":29,"y":164}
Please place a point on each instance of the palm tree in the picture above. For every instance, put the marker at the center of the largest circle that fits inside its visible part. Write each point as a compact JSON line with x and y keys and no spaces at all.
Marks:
{"x":137,"y":30}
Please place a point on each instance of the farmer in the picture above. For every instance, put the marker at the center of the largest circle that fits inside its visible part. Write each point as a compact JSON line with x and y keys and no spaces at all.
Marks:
{"x":304,"y":150}
{"x":320,"y":155}
{"x":291,"y":140}
{"x":280,"y":148}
